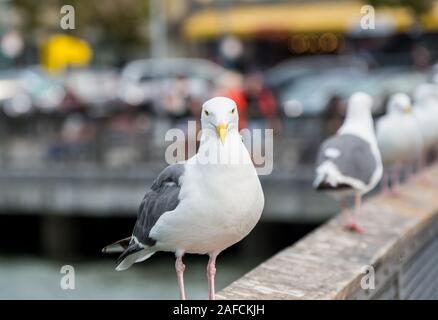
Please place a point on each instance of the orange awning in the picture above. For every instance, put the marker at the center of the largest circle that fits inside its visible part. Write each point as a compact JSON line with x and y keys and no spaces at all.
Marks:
{"x":337,"y":17}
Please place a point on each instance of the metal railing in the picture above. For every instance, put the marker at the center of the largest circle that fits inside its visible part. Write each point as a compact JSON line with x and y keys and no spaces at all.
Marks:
{"x":131,"y":141}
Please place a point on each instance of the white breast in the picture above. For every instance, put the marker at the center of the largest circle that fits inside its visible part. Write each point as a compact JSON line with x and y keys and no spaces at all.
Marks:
{"x":399,"y":139}
{"x":220,"y":205}
{"x":427,"y":126}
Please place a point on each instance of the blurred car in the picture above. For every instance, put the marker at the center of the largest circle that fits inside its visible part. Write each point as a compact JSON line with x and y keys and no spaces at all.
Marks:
{"x":383,"y":82}
{"x":24,"y":90}
{"x":147,"y":82}
{"x":285,"y":73}
{"x":46,"y":92}
{"x":10,"y":87}
{"x":95,"y":88}
{"x":309,"y":95}
{"x":314,"y":103}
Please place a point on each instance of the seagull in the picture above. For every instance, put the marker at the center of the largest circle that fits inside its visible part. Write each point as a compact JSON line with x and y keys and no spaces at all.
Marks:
{"x":349,"y":162}
{"x":399,"y":139}
{"x":426,"y":115}
{"x":434,"y":74}
{"x":201,"y":206}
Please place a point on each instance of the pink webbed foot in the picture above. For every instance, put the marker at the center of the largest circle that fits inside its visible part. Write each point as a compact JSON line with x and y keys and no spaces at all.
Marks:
{"x":353,"y":227}
{"x":424,"y":180}
{"x":394,"y":193}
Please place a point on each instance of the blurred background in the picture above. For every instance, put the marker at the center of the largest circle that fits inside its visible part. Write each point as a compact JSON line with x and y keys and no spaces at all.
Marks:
{"x":84,"y":111}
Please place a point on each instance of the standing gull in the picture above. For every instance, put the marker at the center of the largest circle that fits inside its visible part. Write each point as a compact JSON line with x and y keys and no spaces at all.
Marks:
{"x":349,"y":162}
{"x":426,"y":115}
{"x":202,"y":206}
{"x":400,"y":140}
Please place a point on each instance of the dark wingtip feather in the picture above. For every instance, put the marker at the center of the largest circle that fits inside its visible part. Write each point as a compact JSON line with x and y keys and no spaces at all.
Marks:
{"x":324,"y":186}
{"x":118,"y":246}
{"x":128,"y":257}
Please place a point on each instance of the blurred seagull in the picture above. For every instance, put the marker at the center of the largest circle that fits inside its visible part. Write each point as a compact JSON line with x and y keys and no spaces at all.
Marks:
{"x":400,"y":140}
{"x":426,"y":115}
{"x":349,"y":162}
{"x":202,"y":206}
{"x":434,"y":75}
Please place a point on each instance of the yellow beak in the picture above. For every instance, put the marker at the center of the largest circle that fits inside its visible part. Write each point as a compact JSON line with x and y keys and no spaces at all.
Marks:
{"x":408,"y":109}
{"x":221,"y":130}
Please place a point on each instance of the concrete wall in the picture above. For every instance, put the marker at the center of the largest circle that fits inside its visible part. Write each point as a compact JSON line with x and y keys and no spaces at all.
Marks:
{"x":400,"y":244}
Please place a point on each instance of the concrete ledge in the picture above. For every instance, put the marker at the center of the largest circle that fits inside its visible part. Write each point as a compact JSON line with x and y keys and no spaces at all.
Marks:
{"x":400,"y":242}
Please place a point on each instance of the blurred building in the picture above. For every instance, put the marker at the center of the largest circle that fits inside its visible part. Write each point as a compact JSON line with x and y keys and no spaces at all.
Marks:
{"x":241,"y":34}
{"x":274,"y":30}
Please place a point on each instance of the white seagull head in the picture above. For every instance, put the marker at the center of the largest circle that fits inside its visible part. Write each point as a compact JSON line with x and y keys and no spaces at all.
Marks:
{"x":220,"y":115}
{"x":399,"y":103}
{"x":435,"y":74}
{"x":360,"y":104}
{"x":425,"y":93}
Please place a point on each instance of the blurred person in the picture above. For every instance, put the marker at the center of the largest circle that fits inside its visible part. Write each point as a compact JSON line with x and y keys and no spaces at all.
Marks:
{"x":255,"y":103}
{"x":421,"y":57}
{"x":260,"y":103}
{"x":178,"y":96}
{"x":260,"y":100}
{"x":121,"y":124}
{"x":75,"y":138}
{"x":121,"y":130}
{"x":182,"y":100}
{"x":230,"y":85}
{"x":174,"y":97}
{"x":333,"y":115}
{"x":260,"y":110}
{"x":195,"y":107}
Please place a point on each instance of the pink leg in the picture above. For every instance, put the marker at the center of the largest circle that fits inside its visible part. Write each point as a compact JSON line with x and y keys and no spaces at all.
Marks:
{"x":179,"y":266}
{"x":424,"y":179}
{"x":344,"y":212}
{"x":395,"y":181}
{"x":353,"y":226}
{"x":211,"y":272}
{"x":436,"y":154}
{"x":409,"y":172}
{"x":423,"y":161}
{"x":342,"y":203}
{"x":385,"y":183}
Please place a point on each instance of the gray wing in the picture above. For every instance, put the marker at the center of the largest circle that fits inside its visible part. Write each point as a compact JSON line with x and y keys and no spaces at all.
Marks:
{"x":162,"y":197}
{"x":355,"y":160}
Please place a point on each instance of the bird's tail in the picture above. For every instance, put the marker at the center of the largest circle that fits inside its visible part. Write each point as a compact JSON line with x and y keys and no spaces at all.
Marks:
{"x":118,"y":246}
{"x":133,"y":254}
{"x":328,"y":178}
{"x":323,"y":173}
{"x":319,"y":180}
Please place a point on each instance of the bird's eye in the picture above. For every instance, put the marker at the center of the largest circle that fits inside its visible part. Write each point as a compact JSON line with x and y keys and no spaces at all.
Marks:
{"x":206,"y":112}
{"x":234,"y":109}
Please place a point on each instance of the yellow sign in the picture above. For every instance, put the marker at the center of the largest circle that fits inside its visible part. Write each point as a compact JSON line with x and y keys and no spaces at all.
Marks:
{"x":61,"y":51}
